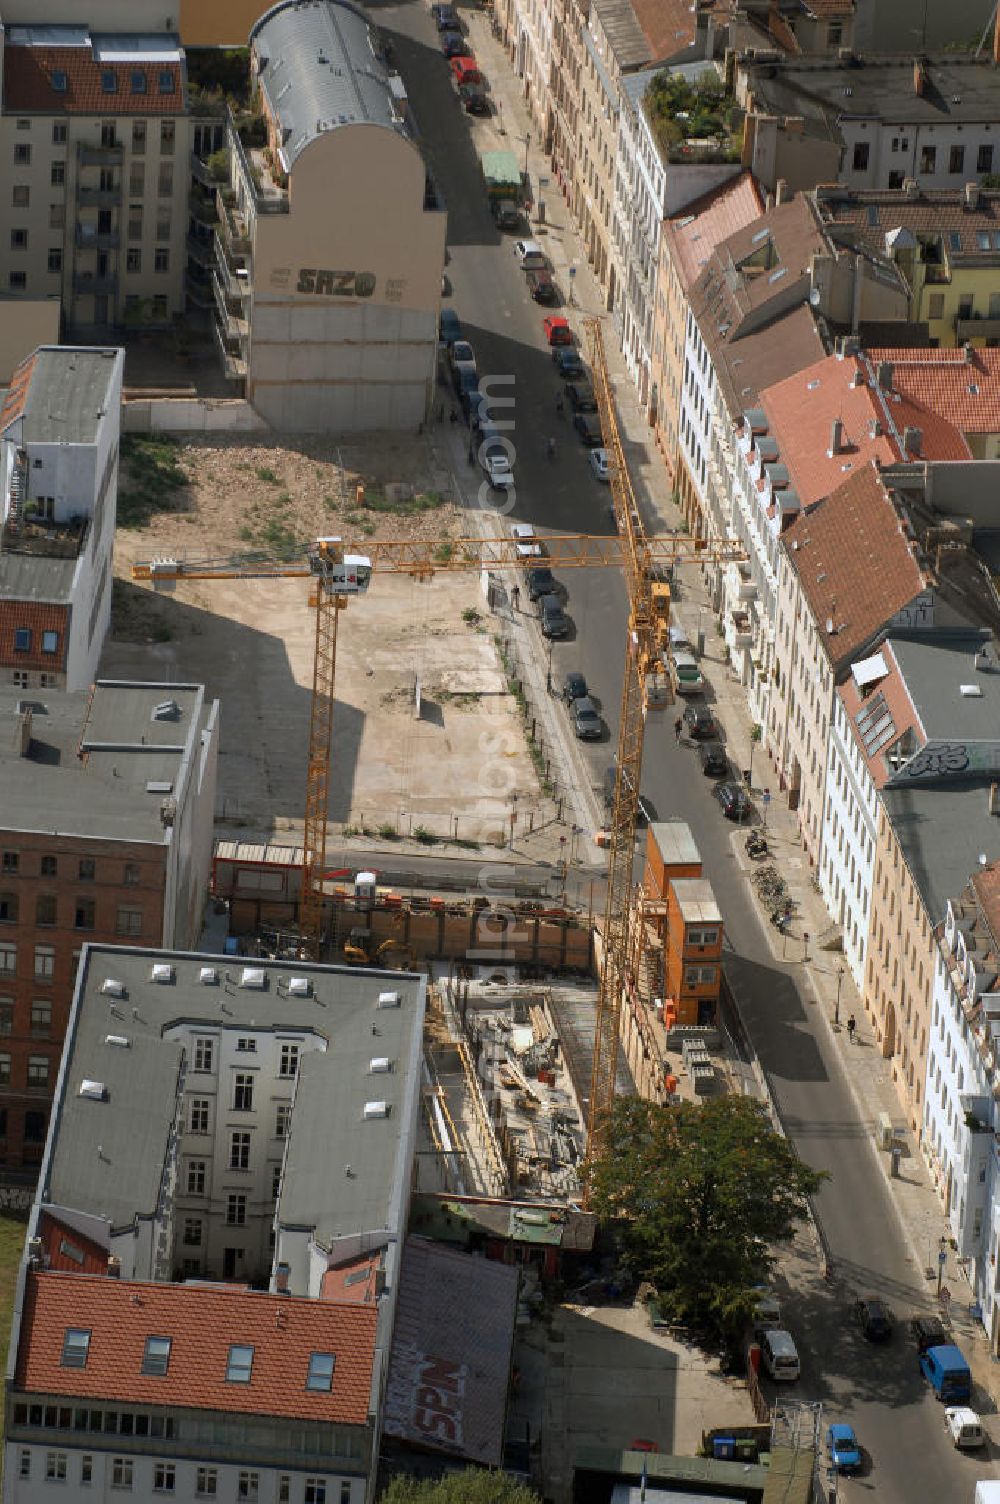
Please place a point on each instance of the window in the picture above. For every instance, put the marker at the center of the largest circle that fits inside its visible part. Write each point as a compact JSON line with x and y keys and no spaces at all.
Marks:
{"x":239,"y":1367}
{"x":699,"y":976}
{"x":21,"y":678}
{"x":55,"y":259}
{"x":133,"y":259}
{"x":166,"y":137}
{"x":984,"y":159}
{"x":243,"y":1093}
{"x":8,"y":908}
{"x":20,"y":196}
{"x":57,"y":174}
{"x":24,"y":1471}
{"x":207,"y":1485}
{"x":57,"y":216}
{"x":156,"y":1358}
{"x":41,"y":1018}
{"x":164,"y":226}
{"x":48,"y":866}
{"x":289,"y":1062}
{"x":861,"y":150}
{"x":38,"y":1070}
{"x":59,"y":133}
{"x":130,"y":875}
{"x":199,"y":1115}
{"x":159,"y":308}
{"x":282,"y":1117}
{"x":22,"y":639}
{"x":928,"y":158}
{"x":703,"y":936}
{"x":165,"y":180}
{"x":4,"y":1070}
{"x":236,"y":1209}
{"x":895,"y":180}
{"x":45,"y":960}
{"x":55,"y":1467}
{"x":19,"y":240}
{"x":315,"y":1491}
{"x":248,"y":1485}
{"x":8,"y":958}
{"x":135,"y":222}
{"x":196,"y":1177}
{"x":86,"y":1469}
{"x":345,"y":1492}
{"x":284,"y":1489}
{"x":275,"y":1181}
{"x":204,"y":1054}
{"x":956,"y":159}
{"x":935,"y":305}
{"x":164,"y":1478}
{"x":6,"y":1015}
{"x":161,"y":260}
{"x":138,"y":81}
{"x":109,"y":84}
{"x":834,"y":33}
{"x":83,"y":914}
{"x":165,"y":82}
{"x":320,"y":1375}
{"x":129,"y":921}
{"x":10,"y":862}
{"x":965,"y":306}
{"x":239,"y":1152}
{"x":76,"y":1346}
{"x":17,"y":281}
{"x":137,"y":180}
{"x":22,"y":153}
{"x":87,"y":869}
{"x":121,"y":1470}
{"x":34,"y":1127}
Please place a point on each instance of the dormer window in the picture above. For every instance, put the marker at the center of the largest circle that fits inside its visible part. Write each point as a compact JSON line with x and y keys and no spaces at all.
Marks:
{"x":75,"y":1348}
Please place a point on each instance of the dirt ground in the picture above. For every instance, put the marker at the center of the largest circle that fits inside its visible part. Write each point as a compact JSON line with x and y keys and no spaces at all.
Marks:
{"x":448,"y":774}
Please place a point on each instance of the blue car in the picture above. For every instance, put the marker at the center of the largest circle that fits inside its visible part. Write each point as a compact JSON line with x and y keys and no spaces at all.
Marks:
{"x":842,"y":1445}
{"x":450,"y":327}
{"x":568,"y":363}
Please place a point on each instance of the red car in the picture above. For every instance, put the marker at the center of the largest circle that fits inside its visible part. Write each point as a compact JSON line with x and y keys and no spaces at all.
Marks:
{"x":557,"y":330}
{"x":465,"y":70}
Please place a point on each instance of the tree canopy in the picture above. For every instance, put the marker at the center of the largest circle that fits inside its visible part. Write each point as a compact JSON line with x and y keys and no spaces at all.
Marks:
{"x":700,"y":1195}
{"x":471,"y":1487}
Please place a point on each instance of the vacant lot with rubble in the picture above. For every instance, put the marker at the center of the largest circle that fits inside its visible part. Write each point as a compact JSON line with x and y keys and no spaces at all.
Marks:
{"x":450,"y":772}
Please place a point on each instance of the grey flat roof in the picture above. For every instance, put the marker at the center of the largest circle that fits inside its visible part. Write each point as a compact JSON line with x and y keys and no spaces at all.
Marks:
{"x":132,"y":1126}
{"x":621,"y":26}
{"x":36,"y":577}
{"x":934,"y":666}
{"x":68,"y":394}
{"x":943,"y":830}
{"x":104,"y":793}
{"x":956,"y":90}
{"x":319,"y":71}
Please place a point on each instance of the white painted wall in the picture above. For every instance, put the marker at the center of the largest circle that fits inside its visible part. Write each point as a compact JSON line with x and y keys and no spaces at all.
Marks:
{"x":191,"y":415}
{"x":850,"y":827}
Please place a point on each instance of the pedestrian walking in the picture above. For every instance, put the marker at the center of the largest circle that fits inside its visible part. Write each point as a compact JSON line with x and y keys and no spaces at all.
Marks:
{"x":515,"y":596}
{"x":454,"y":416}
{"x":852,"y":1025}
{"x":678,"y":728}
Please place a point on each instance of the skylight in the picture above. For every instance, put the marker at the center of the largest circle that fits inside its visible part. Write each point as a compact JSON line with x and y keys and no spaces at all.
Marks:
{"x":240,"y":1365}
{"x":156,"y":1357}
{"x":60,"y":81}
{"x":320,"y":1375}
{"x":76,"y":1346}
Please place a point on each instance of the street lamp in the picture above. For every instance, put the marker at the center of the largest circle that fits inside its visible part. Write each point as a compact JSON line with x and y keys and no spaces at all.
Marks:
{"x":836,"y":1006}
{"x":548,"y":669}
{"x":527,"y":144}
{"x":942,"y":1255}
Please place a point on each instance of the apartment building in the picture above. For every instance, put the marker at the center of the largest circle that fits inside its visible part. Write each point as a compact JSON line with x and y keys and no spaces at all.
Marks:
{"x":252,"y":1123}
{"x":315,"y":347}
{"x":106,"y":835}
{"x":59,"y":428}
{"x":961,"y":386}
{"x":875,"y":125}
{"x":96,"y":134}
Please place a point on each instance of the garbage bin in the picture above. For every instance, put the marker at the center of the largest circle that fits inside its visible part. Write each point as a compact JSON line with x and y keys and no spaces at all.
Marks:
{"x":747,"y":776}
{"x":540,"y":216}
{"x":895,"y":1155}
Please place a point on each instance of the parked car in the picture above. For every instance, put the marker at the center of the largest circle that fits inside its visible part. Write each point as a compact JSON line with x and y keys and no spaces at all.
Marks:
{"x":588,"y":426}
{"x":475,"y":98}
{"x":449,"y":326}
{"x":843,"y":1449}
{"x":767,"y":1309}
{"x":461,"y":353}
{"x":446,"y":18}
{"x":495,"y":461}
{"x":699,"y":723}
{"x":506,"y":214}
{"x":599,"y":464}
{"x":556,"y":330}
{"x":453,"y":44}
{"x":465,"y":380}
{"x":574,"y":688}
{"x":528,"y":546}
{"x":645,"y":811}
{"x":465,"y":70}
{"x":555,"y":622}
{"x":734,"y":799}
{"x":964,"y":1427}
{"x":586,"y":721}
{"x":685,"y":674}
{"x":874,"y":1318}
{"x":713,"y":760}
{"x":948,"y":1374}
{"x":679,"y":641}
{"x":530,"y":256}
{"x":541,"y":582}
{"x":779,"y":1355}
{"x":542,"y":288}
{"x":928,"y":1331}
{"x":581,"y":397}
{"x":568,"y":363}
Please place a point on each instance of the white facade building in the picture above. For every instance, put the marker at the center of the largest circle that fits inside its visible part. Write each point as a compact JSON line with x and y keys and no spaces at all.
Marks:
{"x":850,"y":831}
{"x":640,"y":205}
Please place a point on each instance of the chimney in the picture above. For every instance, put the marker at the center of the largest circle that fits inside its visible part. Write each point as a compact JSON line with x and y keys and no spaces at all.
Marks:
{"x":836,"y":437}
{"x":967,"y":347}
{"x":885,"y":375}
{"x":782,"y":194}
{"x":22,"y":733}
{"x":919,"y":77}
{"x":972,"y":190}
{"x":34,"y":1252}
{"x":913,"y":439}
{"x":281,"y":1277}
{"x":114,"y":1266}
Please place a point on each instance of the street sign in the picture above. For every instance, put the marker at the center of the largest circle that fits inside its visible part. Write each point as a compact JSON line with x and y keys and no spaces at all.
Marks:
{"x":765,"y":797}
{"x":572,"y":271}
{"x":942,"y":1257}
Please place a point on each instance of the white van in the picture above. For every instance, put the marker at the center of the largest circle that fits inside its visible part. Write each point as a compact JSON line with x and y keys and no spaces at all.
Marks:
{"x":781,"y":1360}
{"x":685,"y":673}
{"x":964,"y":1427}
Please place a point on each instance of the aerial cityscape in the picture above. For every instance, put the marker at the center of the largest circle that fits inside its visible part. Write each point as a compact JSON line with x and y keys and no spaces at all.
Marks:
{"x":500,"y":804}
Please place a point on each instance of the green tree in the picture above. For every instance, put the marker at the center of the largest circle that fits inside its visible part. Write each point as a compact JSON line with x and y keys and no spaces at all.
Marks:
{"x":700,"y":1196}
{"x":471,"y":1487}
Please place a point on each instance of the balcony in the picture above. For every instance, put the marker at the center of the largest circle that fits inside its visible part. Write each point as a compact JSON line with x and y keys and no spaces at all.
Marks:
{"x":233,"y":327}
{"x":232,"y":226}
{"x":202,"y":248}
{"x":200,"y":172}
{"x":977,"y":326}
{"x":198,"y":286}
{"x":742,"y":629}
{"x":203,"y":206}
{"x":234,"y":366}
{"x":100,"y":156}
{"x":936,"y":274}
{"x":99,"y":198}
{"x":89,"y":283}
{"x":90,"y":239}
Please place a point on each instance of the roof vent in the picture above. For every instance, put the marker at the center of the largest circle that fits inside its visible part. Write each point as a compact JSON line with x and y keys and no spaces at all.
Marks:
{"x":121,"y":1041}
{"x":161,"y":972}
{"x":389,"y":999}
{"x":208,"y":976}
{"x":94,"y":1090}
{"x":379,"y":1065}
{"x":970,"y":691}
{"x":376,"y":1110}
{"x":159,"y":786}
{"x":299,"y":987}
{"x":113,"y":988}
{"x":166,"y":710}
{"x":254,"y":978}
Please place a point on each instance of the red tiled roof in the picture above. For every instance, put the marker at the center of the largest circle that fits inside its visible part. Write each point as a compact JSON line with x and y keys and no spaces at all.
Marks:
{"x":825,"y":8}
{"x":353,"y":1282}
{"x":986,"y":885}
{"x":962,"y":386}
{"x":17,"y":393}
{"x":65,"y":1248}
{"x":801,"y":411}
{"x":898,"y":703}
{"x":202,"y":1320}
{"x":704,"y":224}
{"x":853,"y":563}
{"x":667,"y":25}
{"x":27,"y":83}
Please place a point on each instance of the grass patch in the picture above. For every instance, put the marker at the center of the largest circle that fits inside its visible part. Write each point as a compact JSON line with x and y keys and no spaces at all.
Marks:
{"x":443,"y":553}
{"x":388,"y":832}
{"x":265,"y":473}
{"x":405,"y":506}
{"x":424,"y":836}
{"x":154,"y":477}
{"x":471,"y":616}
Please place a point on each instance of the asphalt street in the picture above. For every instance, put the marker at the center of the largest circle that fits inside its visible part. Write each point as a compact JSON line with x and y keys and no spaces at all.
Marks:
{"x":877,"y":1389}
